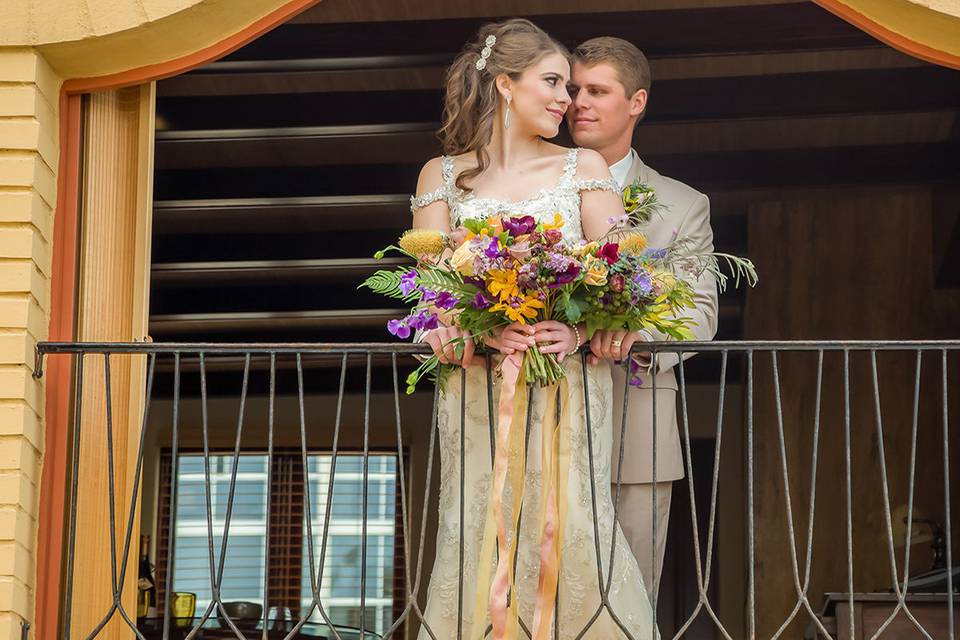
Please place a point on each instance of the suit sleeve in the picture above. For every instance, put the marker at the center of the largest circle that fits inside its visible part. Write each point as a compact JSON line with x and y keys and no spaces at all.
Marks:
{"x":695,"y":226}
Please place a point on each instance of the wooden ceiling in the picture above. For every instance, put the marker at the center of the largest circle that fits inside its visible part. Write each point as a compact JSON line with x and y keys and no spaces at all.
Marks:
{"x":280,"y":169}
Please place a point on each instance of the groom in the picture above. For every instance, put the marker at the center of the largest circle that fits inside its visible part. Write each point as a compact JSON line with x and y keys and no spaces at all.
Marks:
{"x":610,"y":86}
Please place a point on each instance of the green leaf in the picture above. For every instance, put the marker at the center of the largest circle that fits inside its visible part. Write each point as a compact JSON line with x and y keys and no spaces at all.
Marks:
{"x":440,"y":280}
{"x":572,"y":310}
{"x":474,"y":225}
{"x":386,"y":283}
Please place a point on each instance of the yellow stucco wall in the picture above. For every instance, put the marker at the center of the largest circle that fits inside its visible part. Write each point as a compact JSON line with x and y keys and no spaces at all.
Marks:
{"x":42,"y":43}
{"x":28,"y":169}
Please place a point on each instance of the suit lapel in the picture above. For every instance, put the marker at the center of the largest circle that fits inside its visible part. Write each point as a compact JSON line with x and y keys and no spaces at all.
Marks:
{"x":638,"y":170}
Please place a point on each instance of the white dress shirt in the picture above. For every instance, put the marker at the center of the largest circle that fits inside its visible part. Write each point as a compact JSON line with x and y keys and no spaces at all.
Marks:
{"x":621,"y":168}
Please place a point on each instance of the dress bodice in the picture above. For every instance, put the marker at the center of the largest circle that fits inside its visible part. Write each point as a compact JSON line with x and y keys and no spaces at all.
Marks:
{"x":563,"y":198}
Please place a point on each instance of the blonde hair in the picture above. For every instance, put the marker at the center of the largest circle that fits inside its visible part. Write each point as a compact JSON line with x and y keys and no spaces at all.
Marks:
{"x":470,"y":103}
{"x":633,"y":70}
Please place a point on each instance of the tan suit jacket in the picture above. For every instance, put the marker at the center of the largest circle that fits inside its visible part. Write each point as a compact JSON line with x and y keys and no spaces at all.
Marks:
{"x":687,"y":211}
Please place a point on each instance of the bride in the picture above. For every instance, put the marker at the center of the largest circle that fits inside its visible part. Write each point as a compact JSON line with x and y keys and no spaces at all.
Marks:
{"x":505,"y":95}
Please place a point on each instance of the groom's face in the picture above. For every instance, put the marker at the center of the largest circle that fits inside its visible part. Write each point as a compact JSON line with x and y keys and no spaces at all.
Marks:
{"x":601,"y":111}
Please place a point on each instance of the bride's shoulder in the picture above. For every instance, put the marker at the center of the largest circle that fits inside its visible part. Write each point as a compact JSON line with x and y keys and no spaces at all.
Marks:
{"x":432,"y":174}
{"x":590,"y":164}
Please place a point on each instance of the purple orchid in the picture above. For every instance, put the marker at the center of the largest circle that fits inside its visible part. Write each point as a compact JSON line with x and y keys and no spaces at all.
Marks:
{"x":408,"y":282}
{"x":493,"y":249}
{"x":567,"y":276}
{"x":635,"y":368}
{"x":445,"y":300}
{"x":429,"y":295}
{"x":519,"y":226}
{"x":399,"y":328}
{"x":424,"y":320}
{"x":480,"y":301}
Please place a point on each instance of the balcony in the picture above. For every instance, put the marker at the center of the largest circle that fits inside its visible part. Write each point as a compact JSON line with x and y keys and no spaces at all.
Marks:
{"x":815,"y":503}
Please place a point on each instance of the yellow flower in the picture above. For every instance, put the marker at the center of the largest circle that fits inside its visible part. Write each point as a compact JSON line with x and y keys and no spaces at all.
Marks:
{"x":503,"y":283}
{"x":588,"y":249}
{"x":422,"y":242}
{"x":462,"y":259}
{"x":667,"y":280}
{"x":556,"y":224}
{"x":596,"y":271}
{"x":634,"y":243}
{"x":525,"y":309}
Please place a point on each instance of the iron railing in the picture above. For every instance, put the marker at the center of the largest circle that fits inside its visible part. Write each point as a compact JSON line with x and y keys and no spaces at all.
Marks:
{"x":756,"y":371}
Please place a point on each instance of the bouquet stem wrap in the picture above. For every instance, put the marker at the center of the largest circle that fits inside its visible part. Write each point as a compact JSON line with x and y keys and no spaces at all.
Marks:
{"x":509,"y":465}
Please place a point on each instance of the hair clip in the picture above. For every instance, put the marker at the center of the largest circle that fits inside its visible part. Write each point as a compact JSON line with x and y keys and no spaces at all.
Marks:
{"x":485,"y":52}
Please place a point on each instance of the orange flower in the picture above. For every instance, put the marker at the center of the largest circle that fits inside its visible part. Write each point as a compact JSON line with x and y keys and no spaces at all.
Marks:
{"x":503,"y":283}
{"x":556,"y":224}
{"x":520,"y":309}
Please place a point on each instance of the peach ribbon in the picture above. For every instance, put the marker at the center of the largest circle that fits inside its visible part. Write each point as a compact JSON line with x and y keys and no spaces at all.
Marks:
{"x":509,"y":461}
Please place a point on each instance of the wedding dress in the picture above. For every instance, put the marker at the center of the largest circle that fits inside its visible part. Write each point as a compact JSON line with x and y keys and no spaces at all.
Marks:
{"x":579,"y":602}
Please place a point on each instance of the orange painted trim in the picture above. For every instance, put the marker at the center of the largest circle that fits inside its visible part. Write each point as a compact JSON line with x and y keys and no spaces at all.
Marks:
{"x":58,"y":375}
{"x":161,"y":70}
{"x":896,"y":40}
{"x":63,"y":298}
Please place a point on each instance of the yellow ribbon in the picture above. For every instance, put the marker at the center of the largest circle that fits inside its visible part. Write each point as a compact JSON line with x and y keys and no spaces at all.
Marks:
{"x":555,"y":453}
{"x":500,"y":599}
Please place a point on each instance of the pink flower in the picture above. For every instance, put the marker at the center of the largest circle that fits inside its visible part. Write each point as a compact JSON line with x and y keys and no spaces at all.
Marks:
{"x":520,"y":250}
{"x":458,"y":235}
{"x":617,"y":283}
{"x":609,"y":252}
{"x":552,"y":236}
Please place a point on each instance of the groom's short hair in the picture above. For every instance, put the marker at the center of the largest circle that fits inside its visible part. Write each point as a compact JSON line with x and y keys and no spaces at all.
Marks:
{"x":631,"y":65}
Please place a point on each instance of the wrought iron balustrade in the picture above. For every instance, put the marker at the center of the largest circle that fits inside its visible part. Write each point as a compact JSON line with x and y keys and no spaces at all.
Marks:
{"x":790,"y":398}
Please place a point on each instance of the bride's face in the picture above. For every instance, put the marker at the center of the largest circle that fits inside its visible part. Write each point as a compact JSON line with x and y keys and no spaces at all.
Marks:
{"x":540,"y":97}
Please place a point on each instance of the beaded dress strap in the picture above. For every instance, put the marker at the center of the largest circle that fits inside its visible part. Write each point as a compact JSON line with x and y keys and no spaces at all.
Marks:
{"x":569,"y":166}
{"x":443,"y":192}
{"x":589,"y":184}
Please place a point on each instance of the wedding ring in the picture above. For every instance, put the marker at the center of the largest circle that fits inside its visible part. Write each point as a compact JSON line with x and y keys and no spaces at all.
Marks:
{"x":616,"y":344}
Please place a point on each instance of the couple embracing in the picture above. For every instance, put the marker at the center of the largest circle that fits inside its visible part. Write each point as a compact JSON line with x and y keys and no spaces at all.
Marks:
{"x":507,"y":94}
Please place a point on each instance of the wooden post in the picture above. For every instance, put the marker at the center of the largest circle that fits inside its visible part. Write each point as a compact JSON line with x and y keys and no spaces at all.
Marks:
{"x":113,"y":281}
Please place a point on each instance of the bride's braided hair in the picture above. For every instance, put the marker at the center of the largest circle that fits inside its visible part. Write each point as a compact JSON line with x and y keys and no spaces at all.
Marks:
{"x":470,"y":103}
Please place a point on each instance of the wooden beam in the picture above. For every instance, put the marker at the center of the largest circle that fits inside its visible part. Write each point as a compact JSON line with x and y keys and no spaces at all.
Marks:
{"x":299,"y":146}
{"x":861,"y":91}
{"x":782,"y":27}
{"x":279,"y":215}
{"x":319,"y":146}
{"x":235,"y":272}
{"x":217,"y":323}
{"x":315,"y":75}
{"x":709,"y":172}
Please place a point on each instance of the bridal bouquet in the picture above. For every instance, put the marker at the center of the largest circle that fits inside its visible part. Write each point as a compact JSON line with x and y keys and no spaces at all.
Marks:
{"x":491,"y":273}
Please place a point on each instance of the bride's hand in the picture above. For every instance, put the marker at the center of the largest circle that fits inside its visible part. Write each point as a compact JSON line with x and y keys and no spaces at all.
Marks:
{"x":510,"y":339}
{"x":557,"y":338}
{"x":442,"y":340}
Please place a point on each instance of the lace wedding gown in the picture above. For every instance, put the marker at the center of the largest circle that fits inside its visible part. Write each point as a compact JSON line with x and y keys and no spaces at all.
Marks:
{"x":579,"y":584}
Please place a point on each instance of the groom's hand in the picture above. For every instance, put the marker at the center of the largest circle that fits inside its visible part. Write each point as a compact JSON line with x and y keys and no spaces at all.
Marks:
{"x":612,"y":344}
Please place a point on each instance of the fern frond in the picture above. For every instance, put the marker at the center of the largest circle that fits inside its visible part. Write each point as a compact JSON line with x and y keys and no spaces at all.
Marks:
{"x":387,"y":283}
